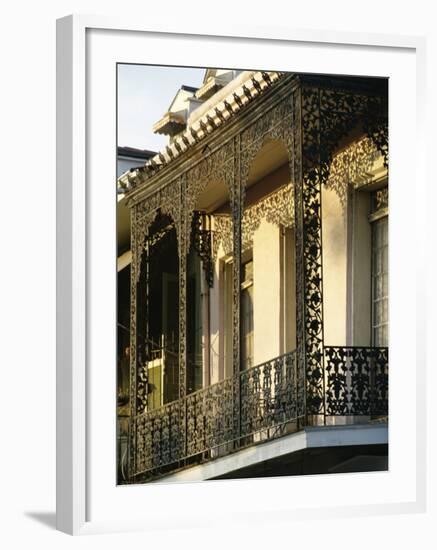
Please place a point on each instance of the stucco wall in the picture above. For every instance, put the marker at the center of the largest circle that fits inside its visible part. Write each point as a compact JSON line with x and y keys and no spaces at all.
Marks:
{"x":334,"y":238}
{"x":267,"y":278}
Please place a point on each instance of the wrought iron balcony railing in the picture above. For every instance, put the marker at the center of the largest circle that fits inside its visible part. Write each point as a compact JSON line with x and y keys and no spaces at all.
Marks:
{"x":356,"y":381}
{"x":255,"y":405}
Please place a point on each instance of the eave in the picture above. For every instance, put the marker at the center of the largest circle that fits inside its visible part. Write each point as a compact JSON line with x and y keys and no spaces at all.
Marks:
{"x":170,"y":124}
{"x":214,"y":128}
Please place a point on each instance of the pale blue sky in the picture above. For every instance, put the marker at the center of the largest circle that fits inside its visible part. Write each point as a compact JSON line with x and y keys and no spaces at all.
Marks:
{"x":144,"y":94}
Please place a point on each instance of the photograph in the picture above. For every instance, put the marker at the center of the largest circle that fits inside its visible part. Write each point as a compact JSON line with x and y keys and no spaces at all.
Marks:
{"x":202,"y":264}
{"x":252,"y":273}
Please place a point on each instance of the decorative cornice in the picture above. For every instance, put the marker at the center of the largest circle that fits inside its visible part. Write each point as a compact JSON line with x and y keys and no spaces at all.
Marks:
{"x":353,"y":166}
{"x":210,"y":122}
{"x":198,"y":152}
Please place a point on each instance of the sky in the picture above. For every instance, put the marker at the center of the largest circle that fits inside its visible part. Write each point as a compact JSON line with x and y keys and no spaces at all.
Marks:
{"x":144,"y":95}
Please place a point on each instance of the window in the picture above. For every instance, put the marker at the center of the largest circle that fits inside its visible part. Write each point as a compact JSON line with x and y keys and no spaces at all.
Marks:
{"x":247,"y":315}
{"x":379,"y":222}
{"x":287,"y":290}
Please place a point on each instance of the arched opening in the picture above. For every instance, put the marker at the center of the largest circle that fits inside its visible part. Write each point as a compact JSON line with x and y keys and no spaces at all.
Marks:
{"x":199,"y":279}
{"x":158,"y":326}
{"x":209,"y":289}
{"x":268,"y":282}
{"x":268,"y":295}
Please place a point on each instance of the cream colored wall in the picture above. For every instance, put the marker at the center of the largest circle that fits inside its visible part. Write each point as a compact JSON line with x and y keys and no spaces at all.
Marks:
{"x":216,"y":323}
{"x":335,"y":244}
{"x":288,"y":291}
{"x":266,"y":290}
{"x":274,"y":299}
{"x":269,"y":339}
{"x":272,"y":336}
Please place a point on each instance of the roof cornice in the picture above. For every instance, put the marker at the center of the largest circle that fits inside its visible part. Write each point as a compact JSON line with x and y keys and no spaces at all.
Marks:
{"x":246,"y":114}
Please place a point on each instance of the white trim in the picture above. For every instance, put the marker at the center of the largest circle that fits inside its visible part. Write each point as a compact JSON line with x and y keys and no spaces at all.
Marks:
{"x":71,"y":439}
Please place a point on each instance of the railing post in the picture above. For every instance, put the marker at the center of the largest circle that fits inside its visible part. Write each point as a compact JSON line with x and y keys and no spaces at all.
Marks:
{"x":309,"y":277}
{"x":236,"y":205}
{"x":137,"y":402}
{"x":183,"y":247}
{"x":299,"y":256}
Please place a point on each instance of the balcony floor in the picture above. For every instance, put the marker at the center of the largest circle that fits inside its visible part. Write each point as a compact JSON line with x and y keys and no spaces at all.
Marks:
{"x":325,"y":449}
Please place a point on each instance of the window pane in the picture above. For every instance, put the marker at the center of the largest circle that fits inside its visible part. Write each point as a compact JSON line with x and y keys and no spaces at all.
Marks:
{"x":380,"y":281}
{"x":247,"y":326}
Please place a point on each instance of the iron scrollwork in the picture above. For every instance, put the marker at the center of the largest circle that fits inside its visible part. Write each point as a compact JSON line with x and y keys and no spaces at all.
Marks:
{"x":356,"y":381}
{"x":276,"y":208}
{"x":268,"y":404}
{"x":274,"y":125}
{"x":356,"y":384}
{"x":352,"y":166}
{"x":216,"y":166}
{"x":202,"y":242}
{"x":311,"y":122}
{"x":327,"y":117}
{"x":236,"y":209}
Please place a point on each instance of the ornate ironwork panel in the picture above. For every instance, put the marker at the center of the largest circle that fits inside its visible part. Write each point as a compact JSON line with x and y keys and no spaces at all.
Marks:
{"x":356,"y":381}
{"x":236,"y":208}
{"x":210,"y":417}
{"x":379,"y":382}
{"x":299,"y":245}
{"x":217,"y":166}
{"x":268,"y":402}
{"x":133,"y":320}
{"x":276,"y":208}
{"x":376,"y":124}
{"x":202,"y":242}
{"x":164,"y":200}
{"x":327,"y":116}
{"x":167,"y":202}
{"x":352,"y":165}
{"x":158,"y":437}
{"x":356,"y":384}
{"x":222,"y":235}
{"x":340,"y":112}
{"x":268,"y":394}
{"x":183,"y":251}
{"x":274,"y":124}
{"x":311,"y":249}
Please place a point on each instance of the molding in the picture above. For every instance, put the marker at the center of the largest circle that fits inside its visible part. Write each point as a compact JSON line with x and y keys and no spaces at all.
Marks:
{"x":71,"y":433}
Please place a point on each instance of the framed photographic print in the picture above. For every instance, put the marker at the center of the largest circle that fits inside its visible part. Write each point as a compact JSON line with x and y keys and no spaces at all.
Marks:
{"x":233,"y":282}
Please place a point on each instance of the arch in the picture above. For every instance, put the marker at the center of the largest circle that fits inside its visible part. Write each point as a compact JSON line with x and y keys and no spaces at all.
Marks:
{"x":268,"y":287}
{"x":269,"y":190}
{"x":158,"y":313}
{"x":215,"y":168}
{"x":210,"y":206}
{"x":275,"y":125}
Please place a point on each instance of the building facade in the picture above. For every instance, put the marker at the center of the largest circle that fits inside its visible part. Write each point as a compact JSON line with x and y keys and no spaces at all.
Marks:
{"x":258,"y":291}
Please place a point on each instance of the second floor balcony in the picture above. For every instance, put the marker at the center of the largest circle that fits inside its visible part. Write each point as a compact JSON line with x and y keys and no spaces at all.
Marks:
{"x":259,"y":404}
{"x":257,"y":298}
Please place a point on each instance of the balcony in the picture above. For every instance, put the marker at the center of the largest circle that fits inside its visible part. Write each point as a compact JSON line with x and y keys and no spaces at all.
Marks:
{"x":257,"y":405}
{"x":227,"y":259}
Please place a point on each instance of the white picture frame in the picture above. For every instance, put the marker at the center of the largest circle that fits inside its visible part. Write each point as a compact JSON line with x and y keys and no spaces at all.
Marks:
{"x":76,"y":310}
